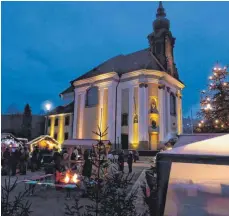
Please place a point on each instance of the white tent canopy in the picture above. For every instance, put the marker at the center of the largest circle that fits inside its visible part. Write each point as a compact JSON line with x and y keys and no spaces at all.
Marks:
{"x":193,"y":179}
{"x":213,"y":146}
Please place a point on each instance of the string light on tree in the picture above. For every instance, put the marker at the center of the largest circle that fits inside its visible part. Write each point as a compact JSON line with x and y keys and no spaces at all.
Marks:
{"x":215,"y":102}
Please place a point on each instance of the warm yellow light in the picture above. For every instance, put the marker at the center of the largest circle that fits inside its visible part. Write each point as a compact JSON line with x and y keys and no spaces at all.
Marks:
{"x":216,"y":121}
{"x":222,"y":125}
{"x":225,"y":84}
{"x":74,"y":178}
{"x":199,"y":124}
{"x":66,"y":179}
{"x":208,"y":107}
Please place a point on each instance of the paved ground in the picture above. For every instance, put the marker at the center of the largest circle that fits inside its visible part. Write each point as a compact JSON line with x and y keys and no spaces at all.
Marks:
{"x":49,"y":202}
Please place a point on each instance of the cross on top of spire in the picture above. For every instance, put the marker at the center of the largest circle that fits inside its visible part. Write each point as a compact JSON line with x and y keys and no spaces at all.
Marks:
{"x":160,"y":10}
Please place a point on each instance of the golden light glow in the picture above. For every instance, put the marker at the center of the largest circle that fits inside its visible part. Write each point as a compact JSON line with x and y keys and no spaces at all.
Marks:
{"x":200,"y":124}
{"x":222,"y":125}
{"x":60,"y":131}
{"x":74,"y":178}
{"x":67,"y":178}
{"x":52,"y":128}
{"x":216,"y":121}
{"x":135,"y":136}
{"x":105,"y":112}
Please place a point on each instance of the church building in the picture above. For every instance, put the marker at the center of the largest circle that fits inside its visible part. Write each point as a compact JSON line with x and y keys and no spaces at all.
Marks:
{"x":137,"y":97}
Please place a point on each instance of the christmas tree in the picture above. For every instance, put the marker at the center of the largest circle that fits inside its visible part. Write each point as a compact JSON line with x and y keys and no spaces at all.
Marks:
{"x":215,"y":103}
{"x":27,"y":122}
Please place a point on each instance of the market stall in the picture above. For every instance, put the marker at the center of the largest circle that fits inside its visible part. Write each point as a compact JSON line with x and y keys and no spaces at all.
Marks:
{"x":8,"y":140}
{"x":43,"y":142}
{"x":194,"y":179}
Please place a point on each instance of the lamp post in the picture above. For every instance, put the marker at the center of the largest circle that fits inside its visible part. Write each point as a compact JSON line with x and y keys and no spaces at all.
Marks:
{"x":47,"y":107}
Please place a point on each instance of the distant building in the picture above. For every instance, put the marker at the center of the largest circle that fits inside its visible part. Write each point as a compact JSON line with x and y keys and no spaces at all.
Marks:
{"x":12,"y":123}
{"x":59,"y":122}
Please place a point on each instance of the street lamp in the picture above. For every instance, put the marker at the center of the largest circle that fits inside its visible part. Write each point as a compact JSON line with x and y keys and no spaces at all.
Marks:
{"x":47,"y":108}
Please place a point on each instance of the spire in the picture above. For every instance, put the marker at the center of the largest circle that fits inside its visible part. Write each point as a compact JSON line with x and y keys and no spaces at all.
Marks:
{"x":161,"y":22}
{"x":160,"y":10}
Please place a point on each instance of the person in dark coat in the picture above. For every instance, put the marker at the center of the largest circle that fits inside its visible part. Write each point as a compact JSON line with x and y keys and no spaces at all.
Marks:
{"x":13,"y":162}
{"x":6,"y":164}
{"x":87,"y":167}
{"x":23,"y":161}
{"x":130,"y":161}
{"x":121,"y":161}
{"x":57,"y":160}
{"x":34,"y":159}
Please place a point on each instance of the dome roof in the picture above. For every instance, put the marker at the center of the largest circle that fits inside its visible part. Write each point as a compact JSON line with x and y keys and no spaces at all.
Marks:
{"x":161,"y":23}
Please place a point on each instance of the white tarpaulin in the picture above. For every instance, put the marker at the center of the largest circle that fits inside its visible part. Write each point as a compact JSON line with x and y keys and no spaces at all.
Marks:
{"x":193,"y":179}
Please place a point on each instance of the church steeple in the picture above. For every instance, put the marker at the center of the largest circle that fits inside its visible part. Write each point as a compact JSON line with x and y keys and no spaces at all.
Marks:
{"x":160,"y":10}
{"x":161,"y":22}
{"x":162,"y":42}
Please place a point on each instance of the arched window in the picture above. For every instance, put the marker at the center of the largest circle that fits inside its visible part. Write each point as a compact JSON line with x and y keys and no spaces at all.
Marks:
{"x":92,"y":96}
{"x":172,"y":104}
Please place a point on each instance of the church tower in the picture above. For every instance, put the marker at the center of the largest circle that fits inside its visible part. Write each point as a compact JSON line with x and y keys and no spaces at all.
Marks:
{"x":162,"y":42}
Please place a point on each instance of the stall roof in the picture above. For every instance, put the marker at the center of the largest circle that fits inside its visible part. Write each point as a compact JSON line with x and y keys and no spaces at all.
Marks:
{"x":216,"y":146}
{"x":42,"y":137}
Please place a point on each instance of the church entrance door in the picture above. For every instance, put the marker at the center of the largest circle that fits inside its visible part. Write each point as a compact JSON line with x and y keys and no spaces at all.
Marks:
{"x":124,"y":141}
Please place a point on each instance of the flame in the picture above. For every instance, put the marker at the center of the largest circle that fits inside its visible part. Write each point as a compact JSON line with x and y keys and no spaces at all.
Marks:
{"x":66,"y":179}
{"x":74,"y":178}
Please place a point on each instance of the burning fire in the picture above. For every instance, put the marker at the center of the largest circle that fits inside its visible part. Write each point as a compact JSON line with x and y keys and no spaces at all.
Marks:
{"x":74,"y":178}
{"x":66,"y":179}
{"x":69,"y":178}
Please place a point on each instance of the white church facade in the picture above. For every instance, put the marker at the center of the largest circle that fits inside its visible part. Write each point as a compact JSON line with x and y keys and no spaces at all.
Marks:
{"x":137,"y":97}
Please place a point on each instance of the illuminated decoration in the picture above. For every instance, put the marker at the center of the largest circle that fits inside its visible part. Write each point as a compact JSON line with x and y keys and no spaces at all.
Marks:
{"x":9,"y":140}
{"x":44,"y":141}
{"x":215,"y":103}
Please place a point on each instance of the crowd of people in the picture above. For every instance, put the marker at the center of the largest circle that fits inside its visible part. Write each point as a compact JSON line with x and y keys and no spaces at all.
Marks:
{"x":21,"y":159}
{"x":13,"y":159}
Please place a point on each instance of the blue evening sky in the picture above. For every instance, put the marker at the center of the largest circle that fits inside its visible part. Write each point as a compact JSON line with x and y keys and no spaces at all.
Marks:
{"x":47,"y":44}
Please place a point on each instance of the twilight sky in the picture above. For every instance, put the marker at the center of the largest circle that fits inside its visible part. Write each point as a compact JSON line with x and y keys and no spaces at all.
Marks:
{"x":45,"y":45}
